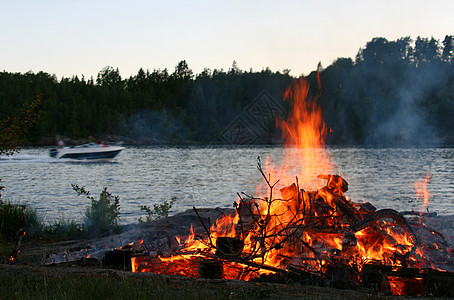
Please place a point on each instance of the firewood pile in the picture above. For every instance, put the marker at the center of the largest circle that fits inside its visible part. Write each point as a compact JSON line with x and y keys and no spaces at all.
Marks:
{"x":313,"y":237}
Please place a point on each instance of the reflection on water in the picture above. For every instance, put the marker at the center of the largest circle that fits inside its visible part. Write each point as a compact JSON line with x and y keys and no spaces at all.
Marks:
{"x":212,"y":176}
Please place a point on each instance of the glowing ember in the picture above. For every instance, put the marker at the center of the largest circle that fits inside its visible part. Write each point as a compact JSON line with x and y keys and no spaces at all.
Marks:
{"x":406,"y":286}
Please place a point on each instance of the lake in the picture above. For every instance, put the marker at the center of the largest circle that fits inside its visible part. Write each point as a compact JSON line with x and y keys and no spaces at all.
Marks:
{"x":212,"y":177}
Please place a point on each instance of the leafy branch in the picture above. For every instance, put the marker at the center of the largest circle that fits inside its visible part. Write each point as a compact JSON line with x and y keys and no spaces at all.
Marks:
{"x":159,"y":211}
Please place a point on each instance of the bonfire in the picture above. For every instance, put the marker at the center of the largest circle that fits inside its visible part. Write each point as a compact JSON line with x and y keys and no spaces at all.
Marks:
{"x":302,"y":227}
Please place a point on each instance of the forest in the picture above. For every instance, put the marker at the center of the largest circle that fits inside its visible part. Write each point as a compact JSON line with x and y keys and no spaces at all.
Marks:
{"x":392,"y":93}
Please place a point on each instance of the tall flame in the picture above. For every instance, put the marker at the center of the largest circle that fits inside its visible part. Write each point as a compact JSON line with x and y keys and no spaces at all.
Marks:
{"x":304,"y":134}
{"x":304,"y":157}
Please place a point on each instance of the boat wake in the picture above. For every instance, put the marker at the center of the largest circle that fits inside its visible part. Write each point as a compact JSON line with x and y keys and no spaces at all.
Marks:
{"x":26,"y":158}
{"x":30,"y":158}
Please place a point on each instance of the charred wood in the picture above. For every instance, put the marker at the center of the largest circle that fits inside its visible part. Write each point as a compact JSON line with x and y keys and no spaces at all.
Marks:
{"x":416,"y":213}
{"x":408,"y":281}
{"x":229,"y":246}
{"x":119,"y":259}
{"x":210,"y":269}
{"x":341,"y":276}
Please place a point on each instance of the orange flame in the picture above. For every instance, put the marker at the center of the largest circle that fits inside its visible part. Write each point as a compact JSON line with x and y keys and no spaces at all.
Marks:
{"x":304,"y":134}
{"x":422,"y":192}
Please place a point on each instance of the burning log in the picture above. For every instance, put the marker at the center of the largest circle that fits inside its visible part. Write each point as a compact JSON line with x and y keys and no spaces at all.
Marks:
{"x":408,"y":281}
{"x":349,"y":243}
{"x":341,"y":276}
{"x":120,"y":259}
{"x":15,"y":252}
{"x":366,"y":207}
{"x":211,"y":269}
{"x":228,"y":246}
{"x":335,"y":184}
{"x":373,"y":217}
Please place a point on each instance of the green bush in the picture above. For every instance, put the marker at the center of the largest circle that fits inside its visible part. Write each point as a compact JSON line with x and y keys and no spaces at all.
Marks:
{"x":159,"y":211}
{"x":101,"y":217}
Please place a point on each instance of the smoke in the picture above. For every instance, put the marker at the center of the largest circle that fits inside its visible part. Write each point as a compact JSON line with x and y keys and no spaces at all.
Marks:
{"x":407,"y":124}
{"x":404,"y":119}
{"x":156,"y":127}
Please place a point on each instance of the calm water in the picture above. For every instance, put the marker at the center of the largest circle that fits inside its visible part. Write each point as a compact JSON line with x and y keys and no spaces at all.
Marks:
{"x":212,"y":176}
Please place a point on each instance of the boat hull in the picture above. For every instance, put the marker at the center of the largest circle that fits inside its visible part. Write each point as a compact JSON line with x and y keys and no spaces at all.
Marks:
{"x":92,"y":153}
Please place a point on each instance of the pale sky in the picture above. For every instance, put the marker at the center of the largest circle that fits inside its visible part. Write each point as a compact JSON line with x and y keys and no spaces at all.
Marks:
{"x":68,"y":38}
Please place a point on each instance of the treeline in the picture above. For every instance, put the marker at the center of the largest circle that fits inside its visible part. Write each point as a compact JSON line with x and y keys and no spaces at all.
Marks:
{"x":392,"y":92}
{"x":151,"y":107}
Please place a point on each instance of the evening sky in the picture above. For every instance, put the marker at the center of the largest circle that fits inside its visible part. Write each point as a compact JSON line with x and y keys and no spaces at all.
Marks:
{"x":81,"y":37}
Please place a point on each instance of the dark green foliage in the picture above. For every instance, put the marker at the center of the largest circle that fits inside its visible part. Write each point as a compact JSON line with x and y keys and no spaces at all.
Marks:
{"x":15,"y":217}
{"x":392,"y":92}
{"x":156,"y":106}
{"x":13,"y":130}
{"x":159,"y":211}
{"x":101,"y":217}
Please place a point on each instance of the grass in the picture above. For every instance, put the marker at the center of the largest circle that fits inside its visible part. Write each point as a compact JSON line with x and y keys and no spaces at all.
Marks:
{"x":16,"y":218}
{"x":53,"y":283}
{"x":61,"y":230}
{"x":100,"y":219}
{"x":25,"y":282}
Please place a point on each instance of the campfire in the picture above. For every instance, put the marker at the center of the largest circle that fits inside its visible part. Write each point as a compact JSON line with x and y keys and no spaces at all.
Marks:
{"x":302,"y":227}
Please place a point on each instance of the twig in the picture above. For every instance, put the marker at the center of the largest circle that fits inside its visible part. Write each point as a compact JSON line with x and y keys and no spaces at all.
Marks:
{"x":203,"y":224}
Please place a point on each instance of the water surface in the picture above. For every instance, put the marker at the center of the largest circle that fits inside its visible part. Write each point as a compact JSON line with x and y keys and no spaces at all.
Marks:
{"x":212,"y":177}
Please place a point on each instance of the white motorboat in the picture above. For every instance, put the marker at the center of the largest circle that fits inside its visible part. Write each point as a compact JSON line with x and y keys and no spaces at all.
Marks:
{"x":90,"y":151}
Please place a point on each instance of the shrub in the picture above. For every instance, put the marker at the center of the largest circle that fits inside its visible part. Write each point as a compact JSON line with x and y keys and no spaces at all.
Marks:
{"x":101,"y":217}
{"x":15,"y":217}
{"x":159,"y":211}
